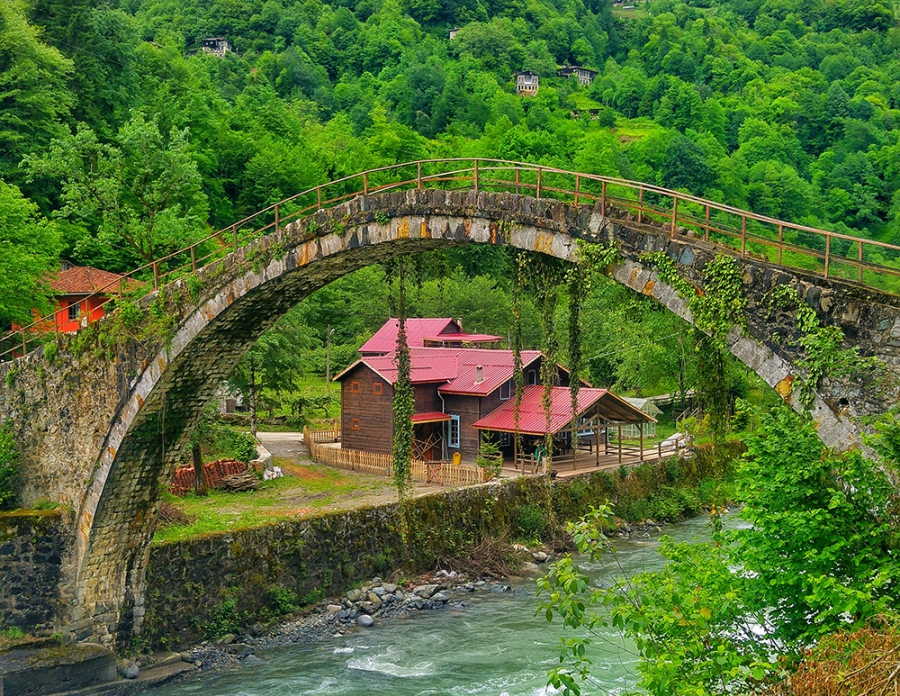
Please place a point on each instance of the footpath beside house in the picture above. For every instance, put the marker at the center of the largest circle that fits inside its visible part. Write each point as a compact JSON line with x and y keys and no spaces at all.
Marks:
{"x":464,"y":394}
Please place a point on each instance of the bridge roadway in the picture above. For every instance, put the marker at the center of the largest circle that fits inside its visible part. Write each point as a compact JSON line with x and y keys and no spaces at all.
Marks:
{"x":105,"y":418}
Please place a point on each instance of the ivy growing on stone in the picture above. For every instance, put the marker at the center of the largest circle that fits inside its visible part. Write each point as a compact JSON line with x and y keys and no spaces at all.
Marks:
{"x":9,"y":466}
{"x":723,"y":302}
{"x":823,"y":355}
{"x":404,"y":398}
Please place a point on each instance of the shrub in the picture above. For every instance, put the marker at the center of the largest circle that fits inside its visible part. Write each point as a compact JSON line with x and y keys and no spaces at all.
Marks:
{"x":232,"y":444}
{"x":531,"y":521}
{"x":282,"y":600}
{"x":225,"y":619}
{"x":9,"y":467}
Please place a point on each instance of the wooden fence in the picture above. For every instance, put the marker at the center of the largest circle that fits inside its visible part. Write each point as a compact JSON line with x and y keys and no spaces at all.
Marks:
{"x":441,"y":473}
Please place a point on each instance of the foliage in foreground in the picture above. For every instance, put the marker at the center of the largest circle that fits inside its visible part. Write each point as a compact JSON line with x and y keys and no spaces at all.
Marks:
{"x":9,"y":466}
{"x":818,"y":558}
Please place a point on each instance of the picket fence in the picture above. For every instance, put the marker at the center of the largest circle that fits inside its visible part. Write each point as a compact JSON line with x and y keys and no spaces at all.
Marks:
{"x":441,"y":473}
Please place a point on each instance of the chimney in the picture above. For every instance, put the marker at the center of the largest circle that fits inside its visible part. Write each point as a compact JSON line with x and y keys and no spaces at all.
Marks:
{"x":479,"y":374}
{"x":459,"y":323}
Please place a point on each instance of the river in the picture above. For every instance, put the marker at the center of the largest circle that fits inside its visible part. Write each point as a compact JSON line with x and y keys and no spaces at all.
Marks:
{"x":495,"y":645}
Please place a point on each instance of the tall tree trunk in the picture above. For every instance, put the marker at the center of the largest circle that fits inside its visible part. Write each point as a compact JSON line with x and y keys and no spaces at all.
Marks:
{"x":199,"y":471}
{"x":252,"y":397}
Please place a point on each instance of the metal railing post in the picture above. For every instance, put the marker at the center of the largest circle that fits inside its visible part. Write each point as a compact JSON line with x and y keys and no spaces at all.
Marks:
{"x":475,"y":175}
{"x":859,"y":265}
{"x":640,"y":205}
{"x":418,"y":175}
{"x":234,"y":236}
{"x":540,"y":173}
{"x":24,"y":343}
{"x":674,"y":216}
{"x":827,"y":253}
{"x":603,"y":198}
{"x":193,"y":259}
{"x":780,"y":241}
{"x":743,"y":235}
{"x":706,"y":235}
{"x":518,"y":189}
{"x":319,"y":196}
{"x":155,"y":276}
{"x":277,"y":219}
{"x":577,"y":187}
{"x":365,"y":183}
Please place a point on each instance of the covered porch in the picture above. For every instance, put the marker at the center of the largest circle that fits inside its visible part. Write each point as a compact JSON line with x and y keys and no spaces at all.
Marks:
{"x":579,"y":443}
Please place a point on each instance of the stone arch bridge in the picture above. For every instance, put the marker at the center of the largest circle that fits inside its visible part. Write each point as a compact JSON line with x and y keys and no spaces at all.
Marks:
{"x":103,"y":419}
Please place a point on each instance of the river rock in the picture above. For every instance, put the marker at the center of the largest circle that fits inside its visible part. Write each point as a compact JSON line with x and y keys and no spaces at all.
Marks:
{"x":425,"y":591}
{"x":354,"y":595}
{"x":376,"y":581}
{"x":127,"y":669}
{"x":333,"y":608}
{"x":539,"y":556}
{"x":365,"y":621}
{"x":374,"y":599}
{"x":440,"y":597}
{"x":530,"y":568}
{"x":367,"y":607}
{"x":379,"y":591}
{"x":398,"y":595}
{"x":253,"y":660}
{"x":227,"y":639}
{"x":469,"y":587}
{"x":500,"y":589}
{"x":389,"y":587}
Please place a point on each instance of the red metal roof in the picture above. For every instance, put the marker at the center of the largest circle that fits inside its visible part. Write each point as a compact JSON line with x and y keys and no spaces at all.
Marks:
{"x":84,"y":280}
{"x":385,"y":339}
{"x":464,"y":338}
{"x":430,"y":417}
{"x":458,"y":367}
{"x":533,"y":420}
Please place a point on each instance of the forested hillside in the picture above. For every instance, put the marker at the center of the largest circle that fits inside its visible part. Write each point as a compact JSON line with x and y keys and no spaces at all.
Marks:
{"x":120,"y":141}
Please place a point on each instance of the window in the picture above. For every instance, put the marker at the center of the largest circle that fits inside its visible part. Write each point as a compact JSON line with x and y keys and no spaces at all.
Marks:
{"x":376,"y":388}
{"x":354,"y":386}
{"x":505,"y":390}
{"x":505,"y":440}
{"x":73,"y":311}
{"x":453,"y":432}
{"x":354,"y":424}
{"x":532,"y":377}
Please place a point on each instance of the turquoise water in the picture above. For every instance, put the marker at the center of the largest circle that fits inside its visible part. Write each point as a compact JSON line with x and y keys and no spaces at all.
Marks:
{"x":494,"y":646}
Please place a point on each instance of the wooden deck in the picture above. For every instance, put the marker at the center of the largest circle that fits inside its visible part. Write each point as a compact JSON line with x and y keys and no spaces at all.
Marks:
{"x":567,"y":466}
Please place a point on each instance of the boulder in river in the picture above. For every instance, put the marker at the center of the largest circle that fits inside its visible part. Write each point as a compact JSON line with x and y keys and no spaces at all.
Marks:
{"x":365,"y":621}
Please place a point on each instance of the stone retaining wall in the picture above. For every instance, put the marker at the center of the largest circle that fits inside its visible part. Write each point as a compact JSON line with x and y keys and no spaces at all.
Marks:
{"x":32,"y":546}
{"x":196,"y":585}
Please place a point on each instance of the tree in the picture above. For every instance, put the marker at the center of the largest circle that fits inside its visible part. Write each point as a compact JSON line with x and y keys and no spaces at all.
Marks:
{"x":29,"y":254}
{"x":33,"y":92}
{"x":816,"y":557}
{"x":140,"y":195}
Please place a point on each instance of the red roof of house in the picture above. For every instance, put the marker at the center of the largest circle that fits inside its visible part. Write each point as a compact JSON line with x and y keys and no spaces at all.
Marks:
{"x":430,"y":417}
{"x":464,"y":338}
{"x":84,"y":280}
{"x":458,"y":367}
{"x":385,"y":339}
{"x":533,"y":420}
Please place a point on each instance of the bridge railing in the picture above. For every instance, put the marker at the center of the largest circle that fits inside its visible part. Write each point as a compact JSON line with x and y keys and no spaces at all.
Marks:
{"x":820,"y":252}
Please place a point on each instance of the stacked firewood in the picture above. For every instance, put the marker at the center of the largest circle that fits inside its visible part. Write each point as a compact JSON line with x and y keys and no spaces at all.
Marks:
{"x":245,"y":481}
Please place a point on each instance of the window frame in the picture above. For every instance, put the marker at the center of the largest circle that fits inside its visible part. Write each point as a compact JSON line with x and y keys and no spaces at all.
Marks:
{"x":354,"y":387}
{"x":355,"y":424}
{"x":377,"y":388}
{"x":507,"y":385}
{"x":74,"y":310}
{"x":451,"y":424}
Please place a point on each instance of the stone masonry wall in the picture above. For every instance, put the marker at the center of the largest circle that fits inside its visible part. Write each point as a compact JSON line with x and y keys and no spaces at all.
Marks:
{"x":188,"y":582}
{"x":32,"y":546}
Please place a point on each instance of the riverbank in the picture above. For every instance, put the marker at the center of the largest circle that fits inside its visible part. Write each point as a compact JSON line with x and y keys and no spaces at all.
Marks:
{"x":219,"y":584}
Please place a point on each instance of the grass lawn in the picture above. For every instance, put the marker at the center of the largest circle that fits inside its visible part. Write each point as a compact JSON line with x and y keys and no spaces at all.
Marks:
{"x":304,"y":490}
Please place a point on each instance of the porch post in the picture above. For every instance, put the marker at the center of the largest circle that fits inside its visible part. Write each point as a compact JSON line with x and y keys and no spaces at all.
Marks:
{"x":574,"y":447}
{"x":597,"y":442}
{"x":516,"y":454}
{"x":641,"y":433}
{"x":619,"y":435}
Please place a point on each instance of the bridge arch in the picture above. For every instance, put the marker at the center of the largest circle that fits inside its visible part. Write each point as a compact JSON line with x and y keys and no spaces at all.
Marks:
{"x":162,"y":386}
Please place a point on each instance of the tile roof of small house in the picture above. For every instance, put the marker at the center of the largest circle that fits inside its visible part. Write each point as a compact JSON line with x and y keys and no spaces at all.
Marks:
{"x":385,"y":339}
{"x":533,"y":420}
{"x":84,"y":280}
{"x":458,"y":367}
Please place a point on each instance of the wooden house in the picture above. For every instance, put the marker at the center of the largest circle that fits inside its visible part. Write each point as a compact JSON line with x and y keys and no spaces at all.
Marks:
{"x":217,"y":46}
{"x":585,"y":75}
{"x":527,"y":83}
{"x":461,"y":393}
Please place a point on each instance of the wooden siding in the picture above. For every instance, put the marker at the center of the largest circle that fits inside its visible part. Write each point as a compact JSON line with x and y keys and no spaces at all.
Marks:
{"x":427,"y":398}
{"x":376,"y":419}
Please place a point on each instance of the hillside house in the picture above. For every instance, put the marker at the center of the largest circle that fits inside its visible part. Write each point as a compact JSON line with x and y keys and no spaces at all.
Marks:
{"x":217,"y":46}
{"x":425,"y":333}
{"x":585,"y":75}
{"x":461,"y":393}
{"x":527,"y":83}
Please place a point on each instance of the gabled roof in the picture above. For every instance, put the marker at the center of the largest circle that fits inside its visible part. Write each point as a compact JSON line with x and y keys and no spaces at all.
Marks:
{"x":385,"y":339}
{"x":533,"y":420}
{"x":458,"y":367}
{"x":84,"y":280}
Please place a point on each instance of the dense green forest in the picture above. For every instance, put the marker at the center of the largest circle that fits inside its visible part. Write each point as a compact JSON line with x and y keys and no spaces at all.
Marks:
{"x":120,"y":141}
